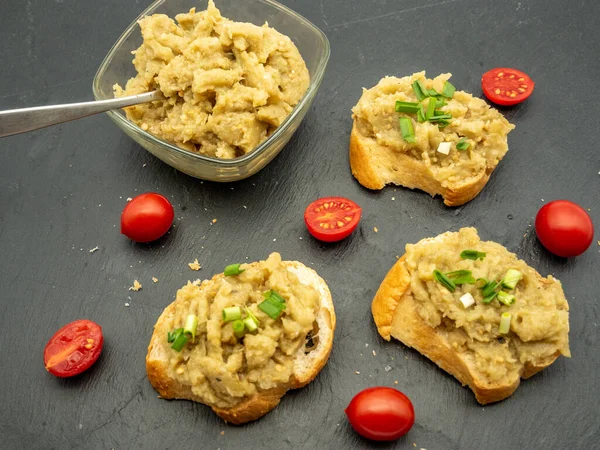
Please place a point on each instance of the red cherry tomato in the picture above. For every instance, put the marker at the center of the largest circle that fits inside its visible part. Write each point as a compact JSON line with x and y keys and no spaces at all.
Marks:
{"x":147,"y":217}
{"x":73,"y":348}
{"x":381,"y":413}
{"x":564,"y":228}
{"x":505,"y":86}
{"x":331,"y":219}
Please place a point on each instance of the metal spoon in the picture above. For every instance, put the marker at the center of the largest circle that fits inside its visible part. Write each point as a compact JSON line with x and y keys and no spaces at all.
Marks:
{"x":15,"y":121}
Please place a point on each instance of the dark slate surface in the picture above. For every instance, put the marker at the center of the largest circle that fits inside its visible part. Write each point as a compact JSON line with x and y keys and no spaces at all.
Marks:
{"x":62,"y":190}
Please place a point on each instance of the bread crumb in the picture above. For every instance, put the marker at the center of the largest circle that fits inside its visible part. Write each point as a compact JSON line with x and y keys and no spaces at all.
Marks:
{"x":414,"y":444}
{"x":129,"y":199}
{"x":396,"y":382}
{"x":393,"y":198}
{"x":136,"y":286}
{"x":214,"y":221}
{"x":366,"y":345}
{"x":197,"y":282}
{"x":357,"y":372}
{"x":92,"y":250}
{"x":154,"y":280}
{"x":195,"y":265}
{"x":222,"y":433}
{"x":387,"y":368}
{"x":375,"y":230}
{"x":374,"y":354}
{"x":406,"y":357}
{"x":127,"y":305}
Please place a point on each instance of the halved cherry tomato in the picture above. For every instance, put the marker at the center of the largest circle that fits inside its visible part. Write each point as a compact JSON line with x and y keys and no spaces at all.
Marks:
{"x":505,"y":86}
{"x":73,"y":348}
{"x":331,"y":219}
{"x":381,"y":413}
{"x":564,"y":228}
{"x":147,"y":217}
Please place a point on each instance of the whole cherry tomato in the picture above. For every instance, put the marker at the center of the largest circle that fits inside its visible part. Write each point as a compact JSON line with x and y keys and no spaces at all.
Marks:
{"x":564,"y":228}
{"x":381,"y":413}
{"x":73,"y":348}
{"x":147,"y":217}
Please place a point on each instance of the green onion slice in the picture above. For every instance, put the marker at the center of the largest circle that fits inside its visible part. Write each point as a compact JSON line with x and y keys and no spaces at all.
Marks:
{"x":490,"y":297}
{"x":233,"y":313}
{"x":448,"y":90}
{"x":423,"y":88}
{"x":250,"y":324}
{"x":232,"y":270}
{"x":504,"y":323}
{"x":461,"y":277}
{"x":407,"y":107}
{"x":443,"y":123}
{"x":180,"y":340}
{"x":511,"y":278}
{"x":489,"y":288}
{"x":481,"y":282}
{"x":172,"y":335}
{"x":474,"y":255}
{"x":191,"y":323}
{"x":271,"y":294}
{"x":238,"y":328}
{"x":418,"y":92}
{"x":430,"y":108}
{"x":444,"y":280}
{"x":251,"y":316}
{"x":440,"y":102}
{"x":407,"y":129}
{"x":432,"y":92}
{"x":506,"y":298}
{"x":271,"y":309}
{"x":462,"y":144}
{"x":420,"y":116}
{"x":437,"y":117}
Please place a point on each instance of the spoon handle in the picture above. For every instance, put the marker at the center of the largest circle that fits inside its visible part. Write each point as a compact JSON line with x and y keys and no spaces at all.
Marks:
{"x":15,"y":121}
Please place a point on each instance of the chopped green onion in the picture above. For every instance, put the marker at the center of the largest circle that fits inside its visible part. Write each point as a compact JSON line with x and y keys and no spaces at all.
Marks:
{"x":251,"y":316}
{"x":504,"y":323}
{"x":191,"y":323}
{"x":418,"y":92}
{"x":474,"y":255}
{"x":506,"y":298}
{"x":172,"y":335}
{"x":271,"y":308}
{"x":511,"y":278}
{"x":432,"y":92}
{"x":490,"y":297}
{"x":250,"y":324}
{"x":274,"y":295}
{"x":444,"y":280}
{"x":423,"y":88}
{"x":448,"y":90}
{"x":443,"y":123}
{"x":407,"y":129}
{"x":440,"y":117}
{"x":407,"y":107}
{"x":233,"y":313}
{"x":420,"y":116}
{"x":232,"y":270}
{"x":440,"y":102}
{"x":430,"y":108}
{"x":482,"y":280}
{"x":489,"y":288}
{"x":238,"y":328}
{"x":462,"y":144}
{"x":439,"y":112}
{"x":180,"y":340}
{"x":461,"y":277}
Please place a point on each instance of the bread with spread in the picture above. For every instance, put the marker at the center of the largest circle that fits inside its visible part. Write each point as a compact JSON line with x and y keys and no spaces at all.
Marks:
{"x":474,"y":309}
{"x":450,"y":149}
{"x":241,"y":371}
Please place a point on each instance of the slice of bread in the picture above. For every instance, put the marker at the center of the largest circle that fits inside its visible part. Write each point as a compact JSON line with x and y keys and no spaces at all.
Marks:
{"x":379,"y":155}
{"x":398,"y":313}
{"x":306,"y":366}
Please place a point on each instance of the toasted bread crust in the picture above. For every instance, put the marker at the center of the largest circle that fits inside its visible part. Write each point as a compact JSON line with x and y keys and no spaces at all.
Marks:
{"x":408,"y":171}
{"x":264,"y":401}
{"x":395,"y":314}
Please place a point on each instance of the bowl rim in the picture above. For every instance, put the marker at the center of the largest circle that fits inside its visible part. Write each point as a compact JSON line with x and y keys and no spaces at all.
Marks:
{"x":248,"y":157}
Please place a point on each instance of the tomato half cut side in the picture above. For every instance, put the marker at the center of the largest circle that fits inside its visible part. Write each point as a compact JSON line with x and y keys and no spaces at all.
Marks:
{"x":331,"y":219}
{"x":73,"y":348}
{"x":505,"y":86}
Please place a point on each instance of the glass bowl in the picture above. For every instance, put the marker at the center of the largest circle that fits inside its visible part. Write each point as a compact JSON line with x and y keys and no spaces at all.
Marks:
{"x":117,"y":67}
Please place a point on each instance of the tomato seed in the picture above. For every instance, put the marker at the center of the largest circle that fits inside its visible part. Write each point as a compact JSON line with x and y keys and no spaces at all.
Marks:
{"x":497,"y":91}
